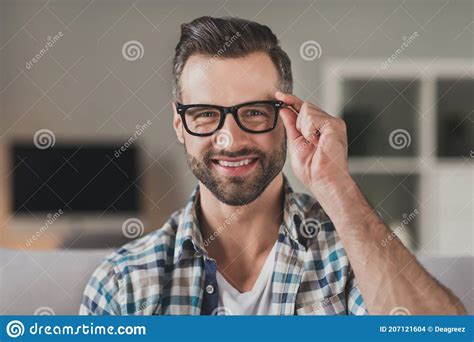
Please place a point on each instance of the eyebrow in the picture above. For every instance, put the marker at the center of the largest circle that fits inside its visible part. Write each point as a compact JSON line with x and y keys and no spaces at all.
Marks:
{"x":219,"y":105}
{"x":267,"y":97}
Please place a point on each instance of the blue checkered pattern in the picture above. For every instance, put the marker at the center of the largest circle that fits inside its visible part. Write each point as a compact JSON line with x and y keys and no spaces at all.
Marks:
{"x":168,"y":271}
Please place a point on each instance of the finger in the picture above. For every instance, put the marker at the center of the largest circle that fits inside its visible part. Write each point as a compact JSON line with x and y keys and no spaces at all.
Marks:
{"x":313,"y":125}
{"x":304,"y":111}
{"x":307,"y":108}
{"x":289,"y":121}
{"x":290,"y":100}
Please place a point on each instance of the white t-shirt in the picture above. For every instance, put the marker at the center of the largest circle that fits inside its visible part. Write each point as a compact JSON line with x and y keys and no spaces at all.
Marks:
{"x":257,"y":301}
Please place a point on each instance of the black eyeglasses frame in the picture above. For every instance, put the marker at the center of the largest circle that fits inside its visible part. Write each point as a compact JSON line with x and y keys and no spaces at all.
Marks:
{"x":181,"y":110}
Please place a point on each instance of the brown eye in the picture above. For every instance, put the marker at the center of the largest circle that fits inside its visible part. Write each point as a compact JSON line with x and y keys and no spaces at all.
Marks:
{"x":253,"y":112}
{"x":207,"y":115}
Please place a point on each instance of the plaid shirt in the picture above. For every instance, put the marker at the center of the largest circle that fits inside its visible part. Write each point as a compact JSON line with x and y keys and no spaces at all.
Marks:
{"x":168,"y":271}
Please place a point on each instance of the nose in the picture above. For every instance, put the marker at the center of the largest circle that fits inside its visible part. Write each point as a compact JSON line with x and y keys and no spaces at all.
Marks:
{"x":235,"y":137}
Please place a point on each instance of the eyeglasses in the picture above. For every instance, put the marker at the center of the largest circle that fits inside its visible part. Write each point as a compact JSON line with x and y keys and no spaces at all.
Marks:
{"x":252,"y":117}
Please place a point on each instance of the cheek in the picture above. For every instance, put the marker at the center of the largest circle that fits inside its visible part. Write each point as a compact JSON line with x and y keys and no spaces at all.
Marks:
{"x":197,"y":146}
{"x":270,"y":142}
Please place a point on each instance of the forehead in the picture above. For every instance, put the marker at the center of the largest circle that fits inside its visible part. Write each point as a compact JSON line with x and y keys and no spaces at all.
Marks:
{"x":228,"y":81}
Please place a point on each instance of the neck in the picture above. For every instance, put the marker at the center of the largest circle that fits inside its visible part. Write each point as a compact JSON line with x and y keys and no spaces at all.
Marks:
{"x":231,"y":230}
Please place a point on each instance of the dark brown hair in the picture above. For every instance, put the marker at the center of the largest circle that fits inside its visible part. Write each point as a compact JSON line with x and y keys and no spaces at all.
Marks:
{"x":228,"y":37}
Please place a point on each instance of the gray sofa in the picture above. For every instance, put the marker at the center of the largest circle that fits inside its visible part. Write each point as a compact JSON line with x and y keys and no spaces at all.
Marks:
{"x":53,"y":281}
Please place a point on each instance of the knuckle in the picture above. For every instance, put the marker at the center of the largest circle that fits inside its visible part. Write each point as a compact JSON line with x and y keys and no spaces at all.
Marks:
{"x":341,"y":123}
{"x":308,"y":126}
{"x":306,"y":105}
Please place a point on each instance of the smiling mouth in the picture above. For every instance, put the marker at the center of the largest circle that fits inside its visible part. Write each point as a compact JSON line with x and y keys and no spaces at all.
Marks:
{"x":235,"y":163}
{"x":235,"y":166}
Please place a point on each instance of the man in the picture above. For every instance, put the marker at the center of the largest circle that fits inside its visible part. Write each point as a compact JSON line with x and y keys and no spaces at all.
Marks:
{"x":245,"y":243}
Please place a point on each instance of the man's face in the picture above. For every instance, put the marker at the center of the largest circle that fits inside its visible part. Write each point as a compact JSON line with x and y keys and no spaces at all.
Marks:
{"x":234,"y":165}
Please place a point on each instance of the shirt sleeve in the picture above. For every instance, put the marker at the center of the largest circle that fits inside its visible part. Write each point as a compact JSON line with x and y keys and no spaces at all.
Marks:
{"x":355,"y":302}
{"x":101,"y":294}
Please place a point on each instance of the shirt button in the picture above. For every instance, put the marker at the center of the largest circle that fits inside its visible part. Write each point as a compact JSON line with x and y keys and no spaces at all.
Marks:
{"x":210,"y":289}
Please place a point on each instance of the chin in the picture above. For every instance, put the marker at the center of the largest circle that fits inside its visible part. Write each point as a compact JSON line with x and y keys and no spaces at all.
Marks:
{"x":239,"y":191}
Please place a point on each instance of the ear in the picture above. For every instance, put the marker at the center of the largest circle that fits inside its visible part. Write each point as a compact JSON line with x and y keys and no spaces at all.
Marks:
{"x":177,"y":124}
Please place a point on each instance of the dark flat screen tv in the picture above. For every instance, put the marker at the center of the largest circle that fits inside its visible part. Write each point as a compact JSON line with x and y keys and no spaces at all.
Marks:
{"x":74,"y":178}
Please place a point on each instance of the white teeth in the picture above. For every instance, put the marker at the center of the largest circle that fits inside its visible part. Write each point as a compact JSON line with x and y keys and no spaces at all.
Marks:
{"x":234,"y":164}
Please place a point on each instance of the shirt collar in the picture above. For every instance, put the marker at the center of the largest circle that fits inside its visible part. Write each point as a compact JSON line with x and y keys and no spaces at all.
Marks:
{"x":188,"y":232}
{"x":189,"y":237}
